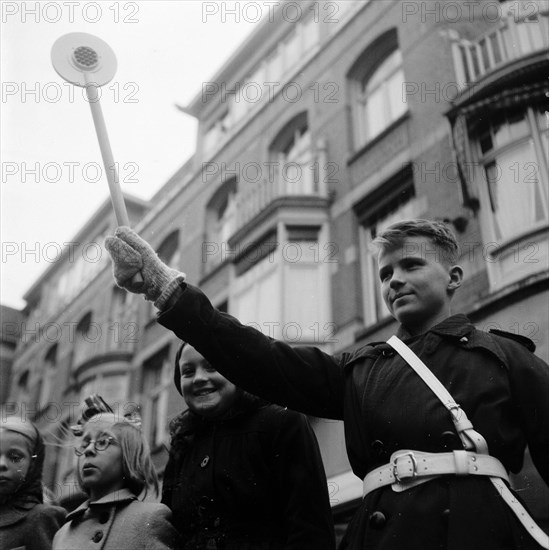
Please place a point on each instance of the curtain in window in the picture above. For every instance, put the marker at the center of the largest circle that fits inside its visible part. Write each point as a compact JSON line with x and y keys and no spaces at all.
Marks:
{"x":514,"y":188}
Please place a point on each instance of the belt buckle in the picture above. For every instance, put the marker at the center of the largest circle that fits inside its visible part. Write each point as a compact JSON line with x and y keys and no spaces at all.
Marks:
{"x":395,"y":466}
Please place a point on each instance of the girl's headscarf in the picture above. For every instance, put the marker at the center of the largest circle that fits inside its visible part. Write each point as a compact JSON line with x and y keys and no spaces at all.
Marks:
{"x":31,"y":488}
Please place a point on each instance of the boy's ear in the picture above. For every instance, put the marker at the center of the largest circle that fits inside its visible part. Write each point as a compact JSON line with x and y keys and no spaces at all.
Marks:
{"x":456,"y":277}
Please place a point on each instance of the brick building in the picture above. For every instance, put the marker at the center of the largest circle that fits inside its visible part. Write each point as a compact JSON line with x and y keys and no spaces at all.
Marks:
{"x":331,"y":121}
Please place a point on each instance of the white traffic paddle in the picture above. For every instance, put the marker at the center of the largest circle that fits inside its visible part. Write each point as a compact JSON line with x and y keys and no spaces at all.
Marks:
{"x":87,"y":61}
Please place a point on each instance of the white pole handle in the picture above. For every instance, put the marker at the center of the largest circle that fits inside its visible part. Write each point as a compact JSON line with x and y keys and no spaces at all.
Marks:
{"x":117,"y":199}
{"x":120,"y":212}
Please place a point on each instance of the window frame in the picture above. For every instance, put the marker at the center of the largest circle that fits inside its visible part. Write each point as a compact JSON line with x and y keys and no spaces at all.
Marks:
{"x":533,"y":135}
{"x":155,"y":396}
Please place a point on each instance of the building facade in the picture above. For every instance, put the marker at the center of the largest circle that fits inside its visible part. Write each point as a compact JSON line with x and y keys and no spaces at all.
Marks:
{"x":10,"y":333}
{"x":330,"y":122}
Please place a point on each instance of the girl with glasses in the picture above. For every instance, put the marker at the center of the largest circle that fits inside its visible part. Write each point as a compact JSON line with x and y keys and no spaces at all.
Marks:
{"x":25,"y":521}
{"x":115,"y":470}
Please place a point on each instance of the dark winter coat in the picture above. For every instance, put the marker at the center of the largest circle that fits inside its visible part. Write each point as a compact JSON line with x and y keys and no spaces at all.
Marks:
{"x":499,"y":383}
{"x":118,"y":521}
{"x":252,"y":480}
{"x":29,"y":525}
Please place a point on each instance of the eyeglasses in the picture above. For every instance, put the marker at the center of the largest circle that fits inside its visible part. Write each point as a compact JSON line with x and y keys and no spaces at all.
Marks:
{"x":99,"y":444}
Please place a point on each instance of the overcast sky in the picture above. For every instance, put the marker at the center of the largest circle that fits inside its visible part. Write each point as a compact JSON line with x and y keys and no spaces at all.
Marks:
{"x":50,"y":183}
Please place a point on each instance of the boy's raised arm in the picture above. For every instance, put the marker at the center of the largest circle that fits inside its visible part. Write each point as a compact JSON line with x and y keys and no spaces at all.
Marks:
{"x":302,"y":378}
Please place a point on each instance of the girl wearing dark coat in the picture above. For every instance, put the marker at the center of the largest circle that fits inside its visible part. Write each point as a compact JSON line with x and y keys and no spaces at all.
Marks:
{"x":25,"y":521}
{"x":242,"y":474}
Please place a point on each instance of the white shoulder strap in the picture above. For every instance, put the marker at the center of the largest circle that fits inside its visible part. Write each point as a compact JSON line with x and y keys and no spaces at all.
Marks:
{"x":468,"y":435}
{"x":471,"y":439}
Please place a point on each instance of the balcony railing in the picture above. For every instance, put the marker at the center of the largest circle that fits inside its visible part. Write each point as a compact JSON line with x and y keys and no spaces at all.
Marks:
{"x":281,"y":180}
{"x":516,"y":36}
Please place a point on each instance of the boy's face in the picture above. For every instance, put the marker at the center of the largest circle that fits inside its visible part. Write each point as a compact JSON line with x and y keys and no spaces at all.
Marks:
{"x":417,"y":283}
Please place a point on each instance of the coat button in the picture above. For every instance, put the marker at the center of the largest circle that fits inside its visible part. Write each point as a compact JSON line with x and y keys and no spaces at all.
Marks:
{"x":387,"y":353}
{"x":205,"y":461}
{"x":378,"y":520}
{"x":445,"y":515}
{"x":104,"y":517}
{"x":464,"y":340}
{"x":204,"y":504}
{"x":97,"y":536}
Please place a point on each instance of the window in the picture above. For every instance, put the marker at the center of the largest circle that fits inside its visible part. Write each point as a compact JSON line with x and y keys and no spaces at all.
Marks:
{"x":83,"y":339}
{"x":221,"y":217}
{"x":292,"y":49}
{"x":307,"y":261}
{"x":276,"y":69}
{"x":377,"y":80}
{"x":88,"y":261}
{"x":216,"y":132}
{"x":48,"y":376}
{"x":118,"y":305}
{"x":292,"y":153}
{"x":282,"y":288}
{"x":256,"y":292}
{"x":168,"y":251}
{"x":391,"y":202}
{"x":226,"y":218}
{"x":156,"y":381}
{"x":512,"y":147}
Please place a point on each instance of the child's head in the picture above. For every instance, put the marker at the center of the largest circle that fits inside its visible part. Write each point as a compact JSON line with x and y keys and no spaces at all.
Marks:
{"x":21,"y":460}
{"x":113,"y":454}
{"x":418,"y":273}
{"x":445,"y":246}
{"x":206,"y":391}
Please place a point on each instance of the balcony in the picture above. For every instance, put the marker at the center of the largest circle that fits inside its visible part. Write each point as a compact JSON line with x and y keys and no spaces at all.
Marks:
{"x":281,"y":182}
{"x":519,"y":34}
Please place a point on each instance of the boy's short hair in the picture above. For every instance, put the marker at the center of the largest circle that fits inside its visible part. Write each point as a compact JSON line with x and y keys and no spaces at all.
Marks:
{"x":438,"y":232}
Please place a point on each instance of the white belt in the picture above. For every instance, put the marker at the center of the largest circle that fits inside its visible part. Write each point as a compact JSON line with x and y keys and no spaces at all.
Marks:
{"x":470,"y":438}
{"x":410,"y":468}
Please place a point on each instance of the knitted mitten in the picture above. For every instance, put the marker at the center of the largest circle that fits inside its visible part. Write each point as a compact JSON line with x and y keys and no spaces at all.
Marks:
{"x":131,"y":255}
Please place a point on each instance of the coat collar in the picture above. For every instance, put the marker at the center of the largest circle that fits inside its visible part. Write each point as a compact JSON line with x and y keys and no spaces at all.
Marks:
{"x":117,"y":497}
{"x":459,"y":328}
{"x":455,"y":325}
{"x":10,"y":513}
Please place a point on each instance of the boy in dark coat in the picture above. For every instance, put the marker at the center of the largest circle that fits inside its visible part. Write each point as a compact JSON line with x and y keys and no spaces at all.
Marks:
{"x":392,"y":417}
